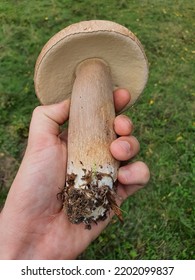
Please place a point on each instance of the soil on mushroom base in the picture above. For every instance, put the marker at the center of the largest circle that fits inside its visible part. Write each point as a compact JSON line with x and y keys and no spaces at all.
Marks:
{"x":80,"y":203}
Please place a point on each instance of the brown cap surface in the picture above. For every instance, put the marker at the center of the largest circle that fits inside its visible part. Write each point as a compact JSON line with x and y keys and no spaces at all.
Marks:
{"x":116,"y":45}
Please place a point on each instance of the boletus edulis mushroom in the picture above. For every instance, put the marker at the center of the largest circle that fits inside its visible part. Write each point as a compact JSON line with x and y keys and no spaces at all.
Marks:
{"x":86,"y":62}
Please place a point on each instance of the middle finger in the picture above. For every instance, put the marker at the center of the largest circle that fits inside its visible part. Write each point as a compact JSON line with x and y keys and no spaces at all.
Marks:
{"x":123,"y":126}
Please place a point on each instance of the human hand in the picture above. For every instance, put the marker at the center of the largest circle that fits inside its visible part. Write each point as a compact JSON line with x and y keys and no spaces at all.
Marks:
{"x":33,"y":224}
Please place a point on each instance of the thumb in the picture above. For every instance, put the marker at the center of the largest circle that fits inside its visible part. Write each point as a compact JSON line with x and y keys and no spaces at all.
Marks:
{"x":45,"y":122}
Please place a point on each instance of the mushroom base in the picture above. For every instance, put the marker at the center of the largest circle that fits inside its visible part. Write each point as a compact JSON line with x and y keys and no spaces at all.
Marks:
{"x":89,"y":203}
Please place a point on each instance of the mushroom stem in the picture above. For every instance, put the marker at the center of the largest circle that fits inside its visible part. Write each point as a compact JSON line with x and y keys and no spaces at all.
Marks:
{"x":91,"y":169}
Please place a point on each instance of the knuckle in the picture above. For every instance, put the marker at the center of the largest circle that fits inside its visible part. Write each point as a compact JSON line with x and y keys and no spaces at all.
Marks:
{"x":135,"y":143}
{"x":145,"y":172}
{"x":37,"y":110}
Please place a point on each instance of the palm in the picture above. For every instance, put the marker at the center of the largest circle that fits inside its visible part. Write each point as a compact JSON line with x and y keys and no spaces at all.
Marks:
{"x":44,"y":219}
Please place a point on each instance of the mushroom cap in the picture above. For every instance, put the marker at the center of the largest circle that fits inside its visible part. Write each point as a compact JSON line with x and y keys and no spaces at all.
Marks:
{"x":115,"y":44}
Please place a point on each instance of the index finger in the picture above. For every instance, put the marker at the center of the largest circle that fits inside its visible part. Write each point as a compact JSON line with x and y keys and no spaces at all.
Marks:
{"x":121,"y":99}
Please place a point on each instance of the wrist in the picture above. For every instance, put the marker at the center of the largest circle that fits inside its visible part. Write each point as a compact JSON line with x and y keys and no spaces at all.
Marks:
{"x":12,"y":243}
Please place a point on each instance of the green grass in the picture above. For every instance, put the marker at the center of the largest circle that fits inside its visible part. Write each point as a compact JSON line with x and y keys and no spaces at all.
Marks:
{"x":159,"y":220}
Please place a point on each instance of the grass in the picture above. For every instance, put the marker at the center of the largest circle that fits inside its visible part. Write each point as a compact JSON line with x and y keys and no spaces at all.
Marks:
{"x":159,"y":220}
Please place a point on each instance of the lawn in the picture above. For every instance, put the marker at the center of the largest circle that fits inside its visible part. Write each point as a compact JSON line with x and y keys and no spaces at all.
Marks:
{"x":159,"y":220}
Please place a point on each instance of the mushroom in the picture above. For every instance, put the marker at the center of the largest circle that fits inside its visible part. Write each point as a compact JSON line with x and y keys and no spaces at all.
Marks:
{"x":86,"y":62}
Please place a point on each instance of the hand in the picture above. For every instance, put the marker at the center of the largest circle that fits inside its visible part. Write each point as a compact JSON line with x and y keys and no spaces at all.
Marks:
{"x":33,"y":224}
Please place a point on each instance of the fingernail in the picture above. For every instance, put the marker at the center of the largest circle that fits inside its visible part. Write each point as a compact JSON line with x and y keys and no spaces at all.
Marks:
{"x":125,"y":146}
